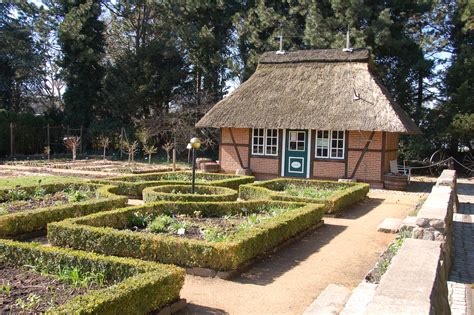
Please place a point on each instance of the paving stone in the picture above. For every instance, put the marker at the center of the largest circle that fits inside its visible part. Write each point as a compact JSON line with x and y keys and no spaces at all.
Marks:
{"x":359,"y":299}
{"x":330,"y":301}
{"x":389,"y":225}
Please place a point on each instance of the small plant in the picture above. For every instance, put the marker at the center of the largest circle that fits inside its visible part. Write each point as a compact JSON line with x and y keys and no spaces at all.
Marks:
{"x":6,"y":288}
{"x":214,"y":234}
{"x":160,"y":224}
{"x":77,"y":196}
{"x":3,"y":209}
{"x":17,"y":194}
{"x":176,"y":226}
{"x":31,"y":303}
{"x":39,"y":191}
{"x":77,"y":278}
{"x":149,"y":149}
{"x":138,"y":220}
{"x":131,"y":149}
{"x":197,"y":214}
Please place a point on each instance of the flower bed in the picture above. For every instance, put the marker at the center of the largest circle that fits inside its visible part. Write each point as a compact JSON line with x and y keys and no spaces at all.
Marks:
{"x":134,"y":185}
{"x":30,"y":208}
{"x":336,"y":196}
{"x":183,"y":193}
{"x":114,"y":285}
{"x":118,"y":232}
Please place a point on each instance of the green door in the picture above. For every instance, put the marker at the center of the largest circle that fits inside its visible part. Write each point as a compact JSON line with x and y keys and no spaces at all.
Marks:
{"x":296,"y":153}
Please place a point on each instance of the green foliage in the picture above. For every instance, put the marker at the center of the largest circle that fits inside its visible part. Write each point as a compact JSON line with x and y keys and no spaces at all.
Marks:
{"x":15,"y":224}
{"x":76,"y":277}
{"x":138,"y":287}
{"x":5,"y":288}
{"x":103,"y":233}
{"x":183,"y":193}
{"x":335,"y":196}
{"x":134,"y":185}
{"x":161,"y":224}
{"x":30,"y":304}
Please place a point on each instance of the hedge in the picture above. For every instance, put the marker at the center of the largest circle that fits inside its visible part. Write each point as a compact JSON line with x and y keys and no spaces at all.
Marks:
{"x":137,"y":287}
{"x":203,"y":193}
{"x":133,"y":185}
{"x":15,"y":224}
{"x":106,"y":233}
{"x":272,"y":190}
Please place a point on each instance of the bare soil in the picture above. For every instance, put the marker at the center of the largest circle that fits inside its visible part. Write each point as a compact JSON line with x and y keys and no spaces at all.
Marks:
{"x":25,"y":291}
{"x":289,"y":280}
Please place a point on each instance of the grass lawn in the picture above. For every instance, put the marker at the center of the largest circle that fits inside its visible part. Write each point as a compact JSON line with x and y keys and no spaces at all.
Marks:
{"x":307,"y":191}
{"x":12,"y":182}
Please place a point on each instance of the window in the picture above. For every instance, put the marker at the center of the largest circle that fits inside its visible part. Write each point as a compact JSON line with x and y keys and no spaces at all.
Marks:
{"x":297,"y":141}
{"x":322,"y":144}
{"x":337,"y":144}
{"x":330,"y":144}
{"x":265,"y":142}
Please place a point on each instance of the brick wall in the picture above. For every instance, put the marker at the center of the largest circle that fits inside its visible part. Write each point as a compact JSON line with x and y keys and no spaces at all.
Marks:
{"x":264,"y":168}
{"x":227,"y":153}
{"x":358,"y":139}
{"x":369,"y":168}
{"x":327,"y":169}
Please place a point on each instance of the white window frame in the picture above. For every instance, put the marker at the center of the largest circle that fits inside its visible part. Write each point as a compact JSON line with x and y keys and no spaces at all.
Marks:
{"x":265,"y":144}
{"x":330,"y":156}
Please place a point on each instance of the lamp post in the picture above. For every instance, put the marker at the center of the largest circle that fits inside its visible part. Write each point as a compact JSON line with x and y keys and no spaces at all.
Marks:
{"x":195,"y":144}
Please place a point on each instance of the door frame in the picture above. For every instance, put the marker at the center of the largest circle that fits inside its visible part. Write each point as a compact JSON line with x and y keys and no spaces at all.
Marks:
{"x":309,"y":163}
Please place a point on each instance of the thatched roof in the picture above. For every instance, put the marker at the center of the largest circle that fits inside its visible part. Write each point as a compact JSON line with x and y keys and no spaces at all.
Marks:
{"x":311,"y":89}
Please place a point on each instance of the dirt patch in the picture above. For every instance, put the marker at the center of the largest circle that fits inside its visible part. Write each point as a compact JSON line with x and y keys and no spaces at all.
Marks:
{"x":26,"y":291}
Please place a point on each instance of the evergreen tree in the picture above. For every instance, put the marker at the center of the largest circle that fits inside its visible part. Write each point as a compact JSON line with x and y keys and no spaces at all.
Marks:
{"x":81,"y":37}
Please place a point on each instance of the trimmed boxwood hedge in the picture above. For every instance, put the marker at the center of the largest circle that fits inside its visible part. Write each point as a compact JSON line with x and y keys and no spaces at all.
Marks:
{"x":133,"y":185}
{"x":15,"y":224}
{"x":203,"y":193}
{"x":273,"y":190}
{"x":106,"y":233}
{"x":138,"y":286}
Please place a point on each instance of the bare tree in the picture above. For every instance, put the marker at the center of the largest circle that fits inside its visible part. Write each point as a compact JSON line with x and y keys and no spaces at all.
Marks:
{"x":47,"y":151}
{"x":168,"y":146}
{"x":149,"y":149}
{"x":104,"y":143}
{"x":131,"y":149}
{"x":72,"y":143}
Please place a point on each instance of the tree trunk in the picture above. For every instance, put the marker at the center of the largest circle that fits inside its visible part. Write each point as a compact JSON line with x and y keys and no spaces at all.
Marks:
{"x":149,"y":158}
{"x":103,"y":156}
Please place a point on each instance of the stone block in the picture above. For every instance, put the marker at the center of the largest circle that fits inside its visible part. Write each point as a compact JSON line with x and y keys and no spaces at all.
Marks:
{"x":413,"y":282}
{"x":389,"y":225}
{"x":359,"y":299}
{"x":330,"y":301}
{"x":178,"y":306}
{"x":204,"y":272}
{"x":243,"y":172}
{"x":422,"y":222}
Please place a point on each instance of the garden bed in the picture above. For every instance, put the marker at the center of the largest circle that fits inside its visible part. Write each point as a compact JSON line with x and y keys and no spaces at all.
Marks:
{"x":183,"y":193}
{"x":29,"y":209}
{"x":134,"y":185}
{"x":334,"y":195}
{"x":221,"y":236}
{"x":66,"y":281}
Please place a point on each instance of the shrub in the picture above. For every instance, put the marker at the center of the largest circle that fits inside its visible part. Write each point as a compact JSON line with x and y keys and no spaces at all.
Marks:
{"x":183,"y":193}
{"x":134,"y":185}
{"x":104,"y":233}
{"x":344,"y":194}
{"x":16,"y":224}
{"x":138,"y":287}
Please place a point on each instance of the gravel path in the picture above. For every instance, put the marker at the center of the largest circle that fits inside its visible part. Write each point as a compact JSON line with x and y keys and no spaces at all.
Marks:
{"x":341,"y":252}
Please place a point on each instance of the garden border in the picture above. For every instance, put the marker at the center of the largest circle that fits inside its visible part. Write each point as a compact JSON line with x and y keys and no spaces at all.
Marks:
{"x":210,"y":193}
{"x":135,"y":188}
{"x":141,"y":286}
{"x":334,"y":204}
{"x":15,"y":225}
{"x":100,"y":233}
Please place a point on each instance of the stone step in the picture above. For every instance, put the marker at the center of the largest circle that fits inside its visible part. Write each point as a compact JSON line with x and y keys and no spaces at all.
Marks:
{"x":389,"y":225}
{"x":330,"y":301}
{"x":359,"y":299}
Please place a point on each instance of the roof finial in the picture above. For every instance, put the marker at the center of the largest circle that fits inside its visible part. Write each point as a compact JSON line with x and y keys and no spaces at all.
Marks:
{"x":280,"y":51}
{"x":348,"y":41}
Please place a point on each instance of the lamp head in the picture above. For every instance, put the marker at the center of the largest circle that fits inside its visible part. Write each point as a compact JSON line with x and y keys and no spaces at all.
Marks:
{"x":189,"y":146}
{"x":196,"y":143}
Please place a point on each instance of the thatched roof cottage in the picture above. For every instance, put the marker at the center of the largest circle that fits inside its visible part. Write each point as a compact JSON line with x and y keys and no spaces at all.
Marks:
{"x":311,"y":114}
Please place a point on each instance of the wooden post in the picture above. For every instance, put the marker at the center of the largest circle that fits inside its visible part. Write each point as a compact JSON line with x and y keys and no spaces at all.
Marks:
{"x":174,"y":160}
{"x":48,"y":142}
{"x":11,"y":139}
{"x":80,"y":143}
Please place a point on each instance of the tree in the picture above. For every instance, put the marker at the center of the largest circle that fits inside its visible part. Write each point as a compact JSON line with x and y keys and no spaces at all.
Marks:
{"x":104,"y":142}
{"x":81,"y":36}
{"x":72,"y":143}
